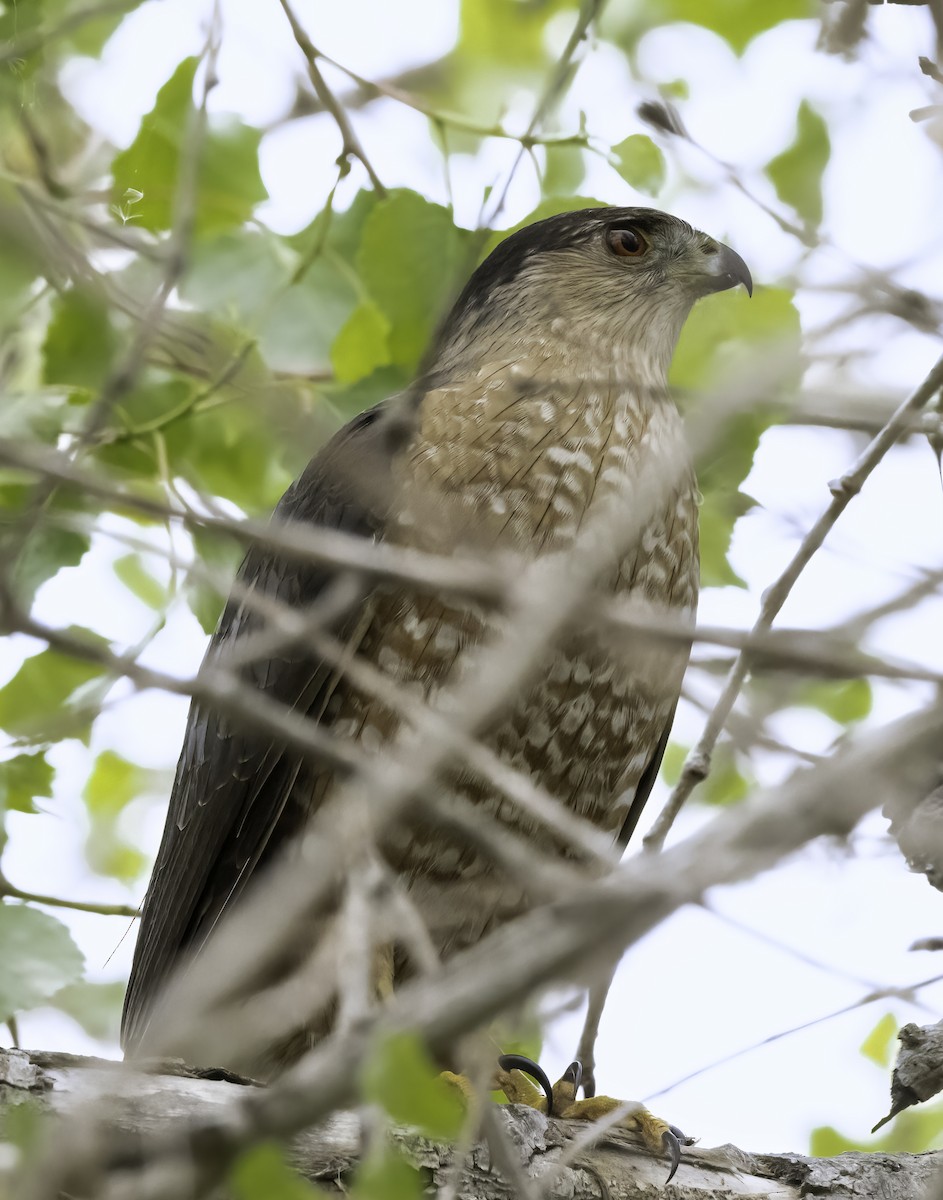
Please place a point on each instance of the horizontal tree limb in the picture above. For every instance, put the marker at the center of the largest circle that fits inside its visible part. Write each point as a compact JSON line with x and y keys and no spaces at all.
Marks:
{"x":151,"y":1104}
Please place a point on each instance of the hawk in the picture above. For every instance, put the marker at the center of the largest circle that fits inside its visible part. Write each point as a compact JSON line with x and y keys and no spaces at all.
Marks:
{"x":545,"y":397}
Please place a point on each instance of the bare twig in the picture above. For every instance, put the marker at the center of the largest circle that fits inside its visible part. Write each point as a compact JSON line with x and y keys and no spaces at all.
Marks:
{"x":844,"y":489}
{"x":476,"y":578}
{"x":217,"y":688}
{"x":906,"y":992}
{"x":351,"y":146}
{"x":104,"y":910}
{"x":562,"y":73}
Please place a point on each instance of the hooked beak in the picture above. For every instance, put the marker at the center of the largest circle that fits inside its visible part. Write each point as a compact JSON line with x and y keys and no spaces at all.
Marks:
{"x":723,"y":268}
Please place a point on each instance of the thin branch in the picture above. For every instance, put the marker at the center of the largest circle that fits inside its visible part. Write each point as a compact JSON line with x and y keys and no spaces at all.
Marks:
{"x":905,"y":992}
{"x":351,"y":146}
{"x":104,"y":910}
{"x":697,"y":765}
{"x":562,"y":73}
{"x":216,"y":688}
{"x":475,"y":578}
{"x":390,"y":91}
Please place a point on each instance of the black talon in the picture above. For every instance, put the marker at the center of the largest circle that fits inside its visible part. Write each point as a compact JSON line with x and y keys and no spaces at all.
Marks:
{"x":573,"y":1074}
{"x":520,"y":1062}
{"x":671,"y":1140}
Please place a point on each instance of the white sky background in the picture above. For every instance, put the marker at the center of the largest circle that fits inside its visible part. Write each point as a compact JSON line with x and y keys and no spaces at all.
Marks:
{"x":696,"y":989}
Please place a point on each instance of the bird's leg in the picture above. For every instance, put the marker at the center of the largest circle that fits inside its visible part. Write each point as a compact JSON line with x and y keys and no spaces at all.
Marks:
{"x":586,"y":1053}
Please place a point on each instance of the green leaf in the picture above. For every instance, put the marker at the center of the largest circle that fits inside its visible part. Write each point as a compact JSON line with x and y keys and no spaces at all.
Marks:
{"x":304,"y":321}
{"x":411,"y":260}
{"x":18,"y":271}
{"x":725,"y":784}
{"x":362,"y":345}
{"x":352,"y":398}
{"x":718,"y":514}
{"x":673,"y":763}
{"x":149,"y":405}
{"x":38,"y":956}
{"x":564,"y":171}
{"x":24,"y":778}
{"x":912,"y":1132}
{"x":221,"y":555}
{"x":24,"y":1125}
{"x":845,"y":701}
{"x":262,"y":1174}
{"x":112,"y":785}
{"x":879,"y":1043}
{"x":41,"y":688}
{"x":797,"y":172}
{"x":237,"y":274}
{"x":17,"y":31}
{"x":140,"y":582}
{"x":640,"y":163}
{"x":675,"y":89}
{"x":401,"y":1077}
{"x":231,"y":451}
{"x":44,"y":555}
{"x":730,"y":337}
{"x":496,"y":31}
{"x":95,"y":1006}
{"x":147,"y":174}
{"x":80,"y":341}
{"x":42,"y":414}
{"x":338,"y":232}
{"x":387,"y":1176}
{"x":86,"y":38}
{"x":248,"y":278}
{"x":522,"y":1034}
{"x":729,"y":333}
{"x":736,"y":21}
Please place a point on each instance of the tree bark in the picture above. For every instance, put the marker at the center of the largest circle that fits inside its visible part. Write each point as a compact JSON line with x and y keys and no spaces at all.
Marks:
{"x":155,"y":1103}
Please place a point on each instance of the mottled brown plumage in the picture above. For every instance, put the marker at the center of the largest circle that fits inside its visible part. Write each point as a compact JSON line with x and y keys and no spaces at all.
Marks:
{"x":545,"y":400}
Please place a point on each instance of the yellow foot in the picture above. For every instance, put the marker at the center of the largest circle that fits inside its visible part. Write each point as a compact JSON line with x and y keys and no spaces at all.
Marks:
{"x":658,"y":1135}
{"x":510,"y":1078}
{"x":462,"y":1084}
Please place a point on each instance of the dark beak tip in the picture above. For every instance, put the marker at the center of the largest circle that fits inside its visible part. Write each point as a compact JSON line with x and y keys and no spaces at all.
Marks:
{"x":729,"y":270}
{"x":737,"y":270}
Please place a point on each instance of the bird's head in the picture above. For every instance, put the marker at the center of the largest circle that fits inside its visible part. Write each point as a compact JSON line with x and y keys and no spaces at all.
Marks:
{"x":616,"y":282}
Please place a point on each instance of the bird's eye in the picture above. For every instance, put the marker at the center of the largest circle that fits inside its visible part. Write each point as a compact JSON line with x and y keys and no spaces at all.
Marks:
{"x":626,"y":243}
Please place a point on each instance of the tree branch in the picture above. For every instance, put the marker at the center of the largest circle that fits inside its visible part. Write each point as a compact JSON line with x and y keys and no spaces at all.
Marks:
{"x":103,"y":910}
{"x":351,"y":146}
{"x":698,"y":762}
